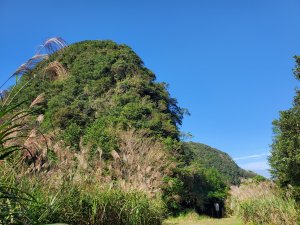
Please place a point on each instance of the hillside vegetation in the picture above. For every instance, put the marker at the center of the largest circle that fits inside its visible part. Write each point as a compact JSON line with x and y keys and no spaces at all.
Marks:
{"x":213,"y":158}
{"x":100,"y":143}
{"x":262,"y":203}
{"x":93,"y":88}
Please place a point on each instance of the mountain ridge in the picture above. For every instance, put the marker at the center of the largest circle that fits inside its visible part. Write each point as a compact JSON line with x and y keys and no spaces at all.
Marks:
{"x":215,"y":158}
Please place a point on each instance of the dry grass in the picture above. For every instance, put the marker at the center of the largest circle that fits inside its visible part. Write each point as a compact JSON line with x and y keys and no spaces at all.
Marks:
{"x":140,"y":163}
{"x":53,"y":44}
{"x":126,"y":187}
{"x":250,"y":190}
{"x":30,"y":64}
{"x":50,"y":46}
{"x":262,"y":203}
{"x":55,"y":70}
{"x":39,"y":99}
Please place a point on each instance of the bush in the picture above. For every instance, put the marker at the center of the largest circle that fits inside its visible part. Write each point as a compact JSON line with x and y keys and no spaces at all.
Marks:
{"x":195,"y":187}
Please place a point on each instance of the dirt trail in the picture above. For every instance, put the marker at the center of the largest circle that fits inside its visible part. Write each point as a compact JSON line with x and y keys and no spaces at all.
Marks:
{"x":202,"y":221}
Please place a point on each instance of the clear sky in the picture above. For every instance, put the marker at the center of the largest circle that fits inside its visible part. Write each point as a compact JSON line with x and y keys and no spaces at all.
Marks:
{"x":229,"y":62}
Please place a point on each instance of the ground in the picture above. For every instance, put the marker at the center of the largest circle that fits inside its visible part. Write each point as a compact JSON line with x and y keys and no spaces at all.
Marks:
{"x":194,"y":219}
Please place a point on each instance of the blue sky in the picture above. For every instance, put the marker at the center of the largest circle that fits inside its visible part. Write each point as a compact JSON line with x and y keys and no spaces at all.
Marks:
{"x":229,"y":62}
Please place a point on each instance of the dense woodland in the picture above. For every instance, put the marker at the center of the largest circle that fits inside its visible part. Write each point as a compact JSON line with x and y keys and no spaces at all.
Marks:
{"x":89,"y":137}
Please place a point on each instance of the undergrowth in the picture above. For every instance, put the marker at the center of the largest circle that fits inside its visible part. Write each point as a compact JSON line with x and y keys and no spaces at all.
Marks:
{"x":262,"y":203}
{"x":79,"y":203}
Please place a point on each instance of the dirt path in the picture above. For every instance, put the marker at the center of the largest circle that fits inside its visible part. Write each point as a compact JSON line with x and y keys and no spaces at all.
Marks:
{"x":202,"y":221}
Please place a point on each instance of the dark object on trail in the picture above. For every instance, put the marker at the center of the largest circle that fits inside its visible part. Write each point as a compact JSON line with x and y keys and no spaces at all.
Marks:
{"x":217,"y":209}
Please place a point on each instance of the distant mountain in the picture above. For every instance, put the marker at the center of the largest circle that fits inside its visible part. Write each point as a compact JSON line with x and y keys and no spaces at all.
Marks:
{"x":213,"y":158}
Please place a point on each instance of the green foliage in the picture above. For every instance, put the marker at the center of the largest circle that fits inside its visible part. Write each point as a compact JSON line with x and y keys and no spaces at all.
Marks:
{"x":107,"y":87}
{"x":275,"y":211}
{"x":203,"y":178}
{"x":172,"y":190}
{"x":195,"y":186}
{"x":258,"y":178}
{"x":81,"y":204}
{"x":14,"y":205}
{"x":217,"y":186}
{"x":285,"y":155}
{"x":212,"y":158}
{"x":90,"y":105}
{"x":11,"y":122}
{"x":202,"y":187}
{"x":72,"y":135}
{"x":100,"y":135}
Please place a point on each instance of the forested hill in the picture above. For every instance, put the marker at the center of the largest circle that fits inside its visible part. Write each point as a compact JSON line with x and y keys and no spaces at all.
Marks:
{"x":96,"y":104}
{"x":91,"y":89}
{"x":213,"y":158}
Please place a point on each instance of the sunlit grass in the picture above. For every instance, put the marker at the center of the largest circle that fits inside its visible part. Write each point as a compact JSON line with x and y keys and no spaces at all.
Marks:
{"x":262,"y":203}
{"x":192,"y":218}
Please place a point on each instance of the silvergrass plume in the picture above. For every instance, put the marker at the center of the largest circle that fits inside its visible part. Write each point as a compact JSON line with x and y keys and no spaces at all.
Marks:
{"x":39,"y":99}
{"x":55,"y":70}
{"x":50,"y":46}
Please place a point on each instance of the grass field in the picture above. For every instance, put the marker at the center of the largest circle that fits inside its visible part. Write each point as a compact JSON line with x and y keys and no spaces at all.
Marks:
{"x":195,"y":219}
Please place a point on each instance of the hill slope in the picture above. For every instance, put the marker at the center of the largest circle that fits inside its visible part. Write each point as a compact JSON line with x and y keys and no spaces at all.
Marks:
{"x":213,"y":158}
{"x":94,"y":88}
{"x":87,"y":96}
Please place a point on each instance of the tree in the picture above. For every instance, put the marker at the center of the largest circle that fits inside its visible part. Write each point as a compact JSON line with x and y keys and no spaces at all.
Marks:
{"x":285,"y":155}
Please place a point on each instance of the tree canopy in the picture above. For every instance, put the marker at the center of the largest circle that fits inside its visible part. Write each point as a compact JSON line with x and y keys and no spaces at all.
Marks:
{"x":285,"y":155}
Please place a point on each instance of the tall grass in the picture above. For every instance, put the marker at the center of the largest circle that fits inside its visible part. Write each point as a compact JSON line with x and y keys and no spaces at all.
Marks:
{"x":75,"y":201}
{"x":262,"y":203}
{"x":12,"y":199}
{"x":75,"y":190}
